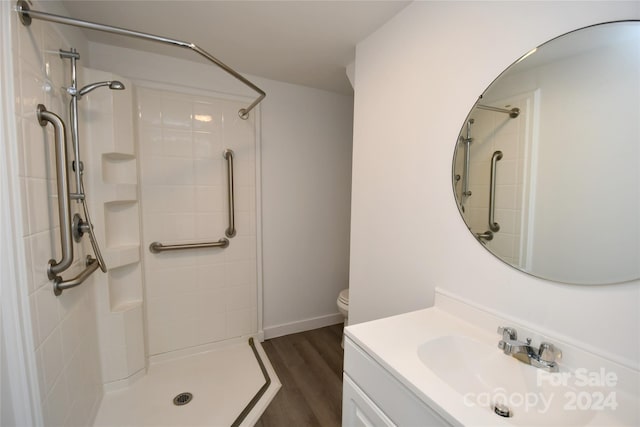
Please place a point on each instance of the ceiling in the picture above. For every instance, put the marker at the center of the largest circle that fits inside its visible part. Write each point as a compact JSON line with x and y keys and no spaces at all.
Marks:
{"x":302,"y":42}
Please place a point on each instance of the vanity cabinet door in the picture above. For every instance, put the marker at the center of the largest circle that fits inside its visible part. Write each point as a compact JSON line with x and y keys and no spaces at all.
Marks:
{"x":358,"y":410}
{"x":396,"y":403}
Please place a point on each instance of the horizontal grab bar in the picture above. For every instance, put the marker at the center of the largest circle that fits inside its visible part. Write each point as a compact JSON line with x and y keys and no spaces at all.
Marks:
{"x":487,"y":235}
{"x":513,"y":113}
{"x":60,"y":285}
{"x":157,"y":247}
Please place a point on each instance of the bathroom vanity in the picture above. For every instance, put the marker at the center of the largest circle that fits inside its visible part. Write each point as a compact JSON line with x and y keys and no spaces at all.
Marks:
{"x":461,"y":364}
{"x":441,"y":366}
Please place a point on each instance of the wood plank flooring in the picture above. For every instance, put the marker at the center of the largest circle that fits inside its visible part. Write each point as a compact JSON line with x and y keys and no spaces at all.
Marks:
{"x":309,"y":365}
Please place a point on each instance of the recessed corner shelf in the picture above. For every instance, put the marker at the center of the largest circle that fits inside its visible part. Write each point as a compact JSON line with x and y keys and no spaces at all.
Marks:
{"x":119,"y":256}
{"x":120,"y":193}
{"x":125,"y":289}
{"x":119,"y":168}
{"x":121,"y":222}
{"x":126,"y":306}
{"x":118,"y":156}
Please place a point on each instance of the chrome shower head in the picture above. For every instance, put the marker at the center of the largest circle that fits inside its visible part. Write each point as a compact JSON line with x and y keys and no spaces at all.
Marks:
{"x":113,"y":85}
{"x":116,"y":85}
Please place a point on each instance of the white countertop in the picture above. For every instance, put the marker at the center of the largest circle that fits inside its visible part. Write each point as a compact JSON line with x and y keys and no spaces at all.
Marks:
{"x":394,"y":341}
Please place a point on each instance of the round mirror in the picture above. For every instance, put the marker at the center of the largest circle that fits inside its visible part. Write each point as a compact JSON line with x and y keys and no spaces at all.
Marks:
{"x":546,"y":171}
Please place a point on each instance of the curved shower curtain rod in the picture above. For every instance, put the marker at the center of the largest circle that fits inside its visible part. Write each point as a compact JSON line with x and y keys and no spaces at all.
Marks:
{"x":26,"y":14}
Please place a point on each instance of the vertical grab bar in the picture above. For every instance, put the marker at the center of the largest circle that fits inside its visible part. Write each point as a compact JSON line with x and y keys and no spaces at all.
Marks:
{"x":64,"y":207}
{"x":493,"y":225}
{"x":231,"y":231}
{"x":467,"y":160}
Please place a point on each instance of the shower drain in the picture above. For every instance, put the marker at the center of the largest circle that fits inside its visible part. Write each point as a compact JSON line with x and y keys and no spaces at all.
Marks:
{"x":182,"y":399}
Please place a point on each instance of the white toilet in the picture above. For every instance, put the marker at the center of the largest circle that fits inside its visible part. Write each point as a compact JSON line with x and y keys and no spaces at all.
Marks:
{"x":343,"y":307}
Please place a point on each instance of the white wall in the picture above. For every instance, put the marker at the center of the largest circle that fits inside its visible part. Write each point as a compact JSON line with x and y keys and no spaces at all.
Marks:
{"x":306,"y":160}
{"x":306,"y":183}
{"x":416,"y":79}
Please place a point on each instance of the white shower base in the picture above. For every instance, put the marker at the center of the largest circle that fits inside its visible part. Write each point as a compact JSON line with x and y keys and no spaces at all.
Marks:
{"x":222,"y":382}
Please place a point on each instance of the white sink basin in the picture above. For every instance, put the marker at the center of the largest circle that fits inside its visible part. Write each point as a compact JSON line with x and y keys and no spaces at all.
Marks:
{"x":448,"y":357}
{"x":484,"y":376}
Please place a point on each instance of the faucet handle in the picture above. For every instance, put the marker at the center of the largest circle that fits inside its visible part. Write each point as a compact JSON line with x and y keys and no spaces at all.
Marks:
{"x":508,"y":333}
{"x":549,"y":352}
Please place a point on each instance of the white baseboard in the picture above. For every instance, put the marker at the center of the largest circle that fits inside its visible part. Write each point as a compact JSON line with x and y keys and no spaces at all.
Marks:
{"x":302,"y":325}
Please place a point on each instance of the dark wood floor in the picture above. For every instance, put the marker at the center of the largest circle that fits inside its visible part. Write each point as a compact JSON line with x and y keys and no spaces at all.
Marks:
{"x":309,"y":365}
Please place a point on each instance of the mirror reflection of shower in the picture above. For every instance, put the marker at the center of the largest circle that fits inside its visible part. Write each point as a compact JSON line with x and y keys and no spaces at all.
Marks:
{"x":464,"y":178}
{"x":82,"y":226}
{"x":473,"y":151}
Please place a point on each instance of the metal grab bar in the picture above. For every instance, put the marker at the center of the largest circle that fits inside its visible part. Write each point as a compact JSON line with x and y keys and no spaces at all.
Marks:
{"x":64,"y":207}
{"x":26,"y":14}
{"x":487,"y":235}
{"x":493,"y":225}
{"x":231,"y":231}
{"x":467,"y":160}
{"x":513,"y":113}
{"x":157,"y":247}
{"x":60,"y":285}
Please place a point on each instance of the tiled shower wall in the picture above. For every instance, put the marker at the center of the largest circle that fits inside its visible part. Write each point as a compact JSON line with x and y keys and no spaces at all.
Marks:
{"x":64,"y":327}
{"x":197,"y":296}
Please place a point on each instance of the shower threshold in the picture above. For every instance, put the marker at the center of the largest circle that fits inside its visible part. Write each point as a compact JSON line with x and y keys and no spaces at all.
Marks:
{"x":222,"y":384}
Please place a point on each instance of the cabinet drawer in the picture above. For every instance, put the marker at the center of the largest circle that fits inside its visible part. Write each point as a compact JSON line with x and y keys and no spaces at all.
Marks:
{"x":358,"y":410}
{"x":396,"y":401}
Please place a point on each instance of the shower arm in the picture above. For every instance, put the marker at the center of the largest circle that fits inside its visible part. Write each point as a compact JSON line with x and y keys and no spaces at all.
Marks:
{"x":26,"y":15}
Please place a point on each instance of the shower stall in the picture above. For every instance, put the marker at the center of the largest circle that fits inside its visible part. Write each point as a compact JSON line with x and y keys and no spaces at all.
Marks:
{"x":165,"y":180}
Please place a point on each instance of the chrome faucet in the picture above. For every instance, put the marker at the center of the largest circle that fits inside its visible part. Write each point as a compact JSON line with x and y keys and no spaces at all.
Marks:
{"x":543,"y":357}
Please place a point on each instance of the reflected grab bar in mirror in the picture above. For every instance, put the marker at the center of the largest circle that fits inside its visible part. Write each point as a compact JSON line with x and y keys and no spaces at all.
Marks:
{"x":231,"y":231}
{"x":493,"y":225}
{"x":157,"y":247}
{"x":513,"y":113}
{"x":486,"y":236}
